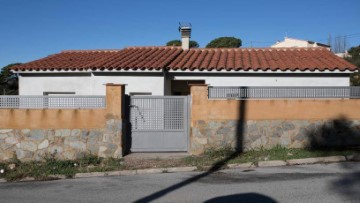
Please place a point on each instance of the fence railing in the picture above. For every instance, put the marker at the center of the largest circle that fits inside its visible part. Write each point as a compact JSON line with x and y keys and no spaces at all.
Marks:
{"x":282,"y":92}
{"x":52,"y":102}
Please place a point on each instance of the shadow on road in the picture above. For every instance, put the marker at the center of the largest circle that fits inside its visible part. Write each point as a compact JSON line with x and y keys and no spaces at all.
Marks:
{"x":339,"y":134}
{"x":348,"y":185}
{"x":246,"y":197}
{"x":216,"y":167}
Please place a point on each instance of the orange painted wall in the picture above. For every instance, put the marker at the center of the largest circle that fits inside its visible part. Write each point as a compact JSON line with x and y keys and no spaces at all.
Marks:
{"x":65,"y":118}
{"x":205,"y":109}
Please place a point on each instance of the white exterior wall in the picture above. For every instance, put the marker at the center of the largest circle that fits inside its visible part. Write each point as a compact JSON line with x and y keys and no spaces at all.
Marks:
{"x":152,"y":84}
{"x":88,"y":85}
{"x":269,"y":80}
{"x":37,"y":85}
{"x":157,"y":85}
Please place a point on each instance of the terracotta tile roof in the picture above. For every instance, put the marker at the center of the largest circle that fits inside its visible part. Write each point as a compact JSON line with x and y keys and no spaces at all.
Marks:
{"x":174,"y":58}
{"x":260,"y":59}
{"x":67,"y":60}
{"x":143,"y":58}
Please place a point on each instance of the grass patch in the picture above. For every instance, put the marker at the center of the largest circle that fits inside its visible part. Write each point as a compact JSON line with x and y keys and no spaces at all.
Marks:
{"x":15,"y":170}
{"x":211,"y":157}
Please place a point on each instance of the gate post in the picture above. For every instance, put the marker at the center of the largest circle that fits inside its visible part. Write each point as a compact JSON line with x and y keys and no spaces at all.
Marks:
{"x":114,"y":100}
{"x":198,"y":116}
{"x":115,"y":95}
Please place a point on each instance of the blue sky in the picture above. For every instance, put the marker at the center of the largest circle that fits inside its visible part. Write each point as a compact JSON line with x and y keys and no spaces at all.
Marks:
{"x":32,"y":29}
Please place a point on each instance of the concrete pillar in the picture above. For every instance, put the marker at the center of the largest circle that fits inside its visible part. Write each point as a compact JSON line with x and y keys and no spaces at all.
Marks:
{"x":199,"y":112}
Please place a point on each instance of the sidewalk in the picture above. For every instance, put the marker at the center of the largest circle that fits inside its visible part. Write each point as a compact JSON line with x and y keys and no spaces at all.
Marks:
{"x":249,"y":165}
{"x":273,"y":163}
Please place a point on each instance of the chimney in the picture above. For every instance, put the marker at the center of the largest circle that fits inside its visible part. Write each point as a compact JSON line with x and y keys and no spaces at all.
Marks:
{"x":185,"y":30}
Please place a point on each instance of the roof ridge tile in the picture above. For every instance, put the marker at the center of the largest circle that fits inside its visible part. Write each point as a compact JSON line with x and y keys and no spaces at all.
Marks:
{"x":90,"y":50}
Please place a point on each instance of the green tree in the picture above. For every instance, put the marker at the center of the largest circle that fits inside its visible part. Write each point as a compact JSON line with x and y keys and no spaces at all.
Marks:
{"x":174,"y":43}
{"x":224,"y":42}
{"x":8,"y":81}
{"x":354,"y":58}
{"x":193,"y":44}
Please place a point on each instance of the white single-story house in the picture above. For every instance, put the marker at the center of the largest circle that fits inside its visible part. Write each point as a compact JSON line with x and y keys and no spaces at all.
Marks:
{"x":169,"y":70}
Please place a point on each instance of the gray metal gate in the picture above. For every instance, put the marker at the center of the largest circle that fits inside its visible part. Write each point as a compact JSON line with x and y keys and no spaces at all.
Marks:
{"x":159,"y":123}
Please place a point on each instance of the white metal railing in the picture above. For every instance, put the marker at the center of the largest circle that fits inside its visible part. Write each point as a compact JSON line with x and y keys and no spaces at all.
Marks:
{"x":220,"y":92}
{"x":52,"y":102}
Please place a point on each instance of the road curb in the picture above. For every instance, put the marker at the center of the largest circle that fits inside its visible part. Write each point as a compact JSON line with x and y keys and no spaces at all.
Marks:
{"x":332,"y":159}
{"x":27,"y":179}
{"x":272,"y":163}
{"x":180,"y":169}
{"x":89,"y":175}
{"x":121,"y":173}
{"x":315,"y":160}
{"x":353,"y":157}
{"x":240,"y":166}
{"x":59,"y":177}
{"x":150,"y":171}
{"x":136,"y":172}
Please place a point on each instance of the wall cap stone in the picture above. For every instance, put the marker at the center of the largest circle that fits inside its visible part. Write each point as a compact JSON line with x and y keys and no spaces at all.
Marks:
{"x":191,"y":85}
{"x":114,"y":84}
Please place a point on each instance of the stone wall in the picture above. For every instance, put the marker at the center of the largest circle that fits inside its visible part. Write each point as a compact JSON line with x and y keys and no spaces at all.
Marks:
{"x":69,"y":134}
{"x":294,"y":123}
{"x":257,"y":134}
{"x":35,"y":144}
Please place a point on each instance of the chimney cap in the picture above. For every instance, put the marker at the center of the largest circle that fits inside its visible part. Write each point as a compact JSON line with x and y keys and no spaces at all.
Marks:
{"x":184,"y":25}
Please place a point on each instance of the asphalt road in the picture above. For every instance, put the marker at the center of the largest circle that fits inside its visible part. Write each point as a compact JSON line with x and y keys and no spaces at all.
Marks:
{"x":312,"y":183}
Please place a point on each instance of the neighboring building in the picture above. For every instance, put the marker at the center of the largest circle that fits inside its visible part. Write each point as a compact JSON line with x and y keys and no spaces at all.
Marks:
{"x":170,"y":70}
{"x":343,"y":55}
{"x":291,"y":42}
